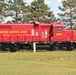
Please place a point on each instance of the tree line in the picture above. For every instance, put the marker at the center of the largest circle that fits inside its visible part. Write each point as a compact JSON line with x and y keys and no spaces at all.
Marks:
{"x":38,"y":10}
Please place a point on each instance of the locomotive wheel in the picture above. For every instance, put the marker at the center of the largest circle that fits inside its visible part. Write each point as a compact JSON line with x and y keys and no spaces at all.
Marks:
{"x":55,"y":47}
{"x":28,"y":47}
{"x":69,"y":48}
{"x":12,"y":49}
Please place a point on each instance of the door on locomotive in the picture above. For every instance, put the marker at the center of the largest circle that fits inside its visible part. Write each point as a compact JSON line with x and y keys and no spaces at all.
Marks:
{"x":50,"y":32}
{"x":45,"y":32}
{"x":35,"y":32}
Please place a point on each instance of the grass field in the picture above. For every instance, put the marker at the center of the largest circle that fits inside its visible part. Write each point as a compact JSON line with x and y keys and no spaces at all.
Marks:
{"x":40,"y":63}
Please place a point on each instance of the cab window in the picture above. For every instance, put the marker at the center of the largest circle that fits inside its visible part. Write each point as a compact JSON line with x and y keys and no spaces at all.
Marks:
{"x":58,"y":29}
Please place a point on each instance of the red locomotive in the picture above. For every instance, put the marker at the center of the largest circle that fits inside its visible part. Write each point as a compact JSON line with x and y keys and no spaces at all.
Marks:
{"x":50,"y":36}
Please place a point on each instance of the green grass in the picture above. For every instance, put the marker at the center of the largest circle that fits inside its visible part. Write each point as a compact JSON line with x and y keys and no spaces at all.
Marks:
{"x":40,"y":63}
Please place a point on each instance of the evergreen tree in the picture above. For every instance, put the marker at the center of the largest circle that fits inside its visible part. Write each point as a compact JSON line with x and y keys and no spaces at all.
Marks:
{"x":68,"y":15}
{"x":2,"y":12}
{"x":16,"y":9}
{"x":39,"y":11}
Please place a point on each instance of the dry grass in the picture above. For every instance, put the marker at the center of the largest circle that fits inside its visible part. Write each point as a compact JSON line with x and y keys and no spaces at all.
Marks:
{"x":40,"y":63}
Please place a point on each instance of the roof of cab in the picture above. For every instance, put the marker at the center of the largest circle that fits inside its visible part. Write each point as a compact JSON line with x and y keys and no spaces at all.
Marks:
{"x":57,"y":24}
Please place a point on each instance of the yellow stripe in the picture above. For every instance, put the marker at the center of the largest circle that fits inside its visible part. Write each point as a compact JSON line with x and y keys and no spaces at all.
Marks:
{"x":26,"y":42}
{"x":45,"y":42}
{"x":59,"y":42}
{"x":13,"y":42}
{"x":36,"y":42}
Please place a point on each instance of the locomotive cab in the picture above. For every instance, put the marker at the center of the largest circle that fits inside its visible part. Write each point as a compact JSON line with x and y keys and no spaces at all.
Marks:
{"x":58,"y":38}
{"x":58,"y":29}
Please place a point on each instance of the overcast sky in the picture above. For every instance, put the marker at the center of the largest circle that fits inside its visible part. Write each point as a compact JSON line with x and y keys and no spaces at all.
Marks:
{"x":53,"y":4}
